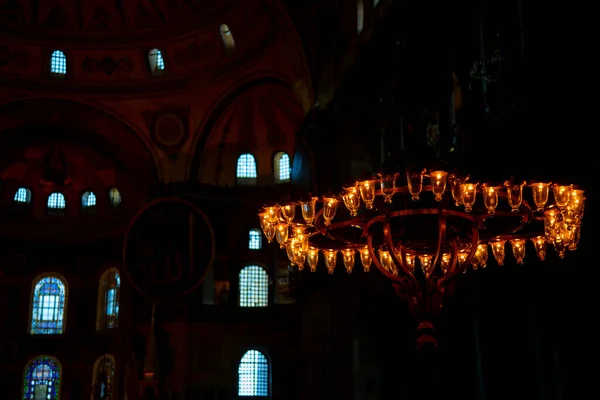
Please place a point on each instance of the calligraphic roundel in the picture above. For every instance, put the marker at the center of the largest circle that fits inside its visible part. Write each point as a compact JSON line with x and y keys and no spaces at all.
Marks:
{"x":169,"y":247}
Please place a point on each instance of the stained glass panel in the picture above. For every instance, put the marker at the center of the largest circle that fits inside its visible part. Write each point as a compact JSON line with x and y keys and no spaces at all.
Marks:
{"x":110,"y":285}
{"x":48,"y":307}
{"x":42,"y":379}
{"x":103,"y":379}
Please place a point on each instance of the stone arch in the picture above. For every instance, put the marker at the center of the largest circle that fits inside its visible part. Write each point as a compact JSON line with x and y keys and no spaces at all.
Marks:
{"x":244,"y":97}
{"x":67,"y":120}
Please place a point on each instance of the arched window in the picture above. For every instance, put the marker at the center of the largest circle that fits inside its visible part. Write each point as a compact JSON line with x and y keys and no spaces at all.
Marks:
{"x":42,"y":379}
{"x":360,"y":16}
{"x":48,"y":306}
{"x":282,"y":167}
{"x":156,"y":62}
{"x":114,"y":196}
{"x":255,"y":239}
{"x":103,"y":377}
{"x":227,"y":37}
{"x":254,"y":287}
{"x":88,"y":199}
{"x":109,"y":290}
{"x":246,"y":170}
{"x":375,"y":2}
{"x":58,"y":63}
{"x":23,"y":196}
{"x":56,"y":203}
{"x":253,"y":375}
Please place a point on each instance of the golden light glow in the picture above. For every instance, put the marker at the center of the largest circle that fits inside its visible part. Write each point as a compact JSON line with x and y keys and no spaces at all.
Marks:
{"x":330,"y":259}
{"x":348,"y":256}
{"x":540,"y":191}
{"x":365,"y":258}
{"x":482,"y":254}
{"x":490,"y":198}
{"x":288,"y":212}
{"x":393,"y":224}
{"x":351,"y":199}
{"x":281,"y":234}
{"x":498,"y":250}
{"x":514,"y":193}
{"x":518,"y":247}
{"x":438,"y":184}
{"x":388,"y":186}
{"x":469,"y":195}
{"x":456,"y":183}
{"x":329,"y":209}
{"x":367,"y":193}
{"x":308,"y":209}
{"x":562,"y":194}
{"x":426,"y":262}
{"x":313,"y":259}
{"x":539,"y":243}
{"x":415,"y":183}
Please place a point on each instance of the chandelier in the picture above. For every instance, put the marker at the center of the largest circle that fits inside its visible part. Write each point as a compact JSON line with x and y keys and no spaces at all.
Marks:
{"x":422,"y":229}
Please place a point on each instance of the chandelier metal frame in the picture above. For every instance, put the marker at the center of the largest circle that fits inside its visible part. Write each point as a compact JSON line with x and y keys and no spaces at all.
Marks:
{"x":383,"y":232}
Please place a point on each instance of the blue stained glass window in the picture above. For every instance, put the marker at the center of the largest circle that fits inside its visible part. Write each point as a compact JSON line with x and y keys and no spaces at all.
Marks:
{"x":103,"y":379}
{"x":48,"y":306}
{"x":42,"y":379}
{"x":253,"y":375}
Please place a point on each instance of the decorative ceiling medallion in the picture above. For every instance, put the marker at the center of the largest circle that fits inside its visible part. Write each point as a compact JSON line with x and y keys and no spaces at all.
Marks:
{"x":169,"y":131}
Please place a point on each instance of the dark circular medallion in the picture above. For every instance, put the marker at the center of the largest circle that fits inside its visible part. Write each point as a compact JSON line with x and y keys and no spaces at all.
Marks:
{"x":169,"y":247}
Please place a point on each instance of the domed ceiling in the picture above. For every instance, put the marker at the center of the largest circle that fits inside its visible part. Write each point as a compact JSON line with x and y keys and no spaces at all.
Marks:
{"x":101,"y":16}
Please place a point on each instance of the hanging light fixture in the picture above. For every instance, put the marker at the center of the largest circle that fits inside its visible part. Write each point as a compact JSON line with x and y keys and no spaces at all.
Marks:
{"x":424,"y":228}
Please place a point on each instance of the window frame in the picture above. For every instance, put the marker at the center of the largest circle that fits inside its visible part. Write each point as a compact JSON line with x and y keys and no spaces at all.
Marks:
{"x":265,"y":354}
{"x":246,"y":181}
{"x":35,"y":282}
{"x":103,"y":289}
{"x":267,"y":289}
{"x":153,"y":65}
{"x":277,"y":167}
{"x":25,"y":384}
{"x":227,"y":38}
{"x":58,"y":75}
{"x":29,"y":197}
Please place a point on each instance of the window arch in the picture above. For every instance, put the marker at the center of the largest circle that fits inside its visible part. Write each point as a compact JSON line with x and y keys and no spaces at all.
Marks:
{"x":57,"y":203}
{"x":360,"y":16}
{"x":255,"y":242}
{"x":156,"y":62}
{"x":282,"y":167}
{"x":254,"y":287}
{"x":253,"y":375}
{"x":22,"y":196}
{"x":48,"y":306}
{"x":114,"y":196}
{"x":227,"y":37}
{"x":109,"y":291}
{"x":103,"y":377}
{"x":246,"y":169}
{"x":42,"y":379}
{"x":58,"y":63}
{"x":88,"y":199}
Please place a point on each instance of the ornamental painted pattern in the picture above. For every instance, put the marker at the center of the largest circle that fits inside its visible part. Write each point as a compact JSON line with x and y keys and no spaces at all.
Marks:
{"x":42,"y":379}
{"x":48,"y":306}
